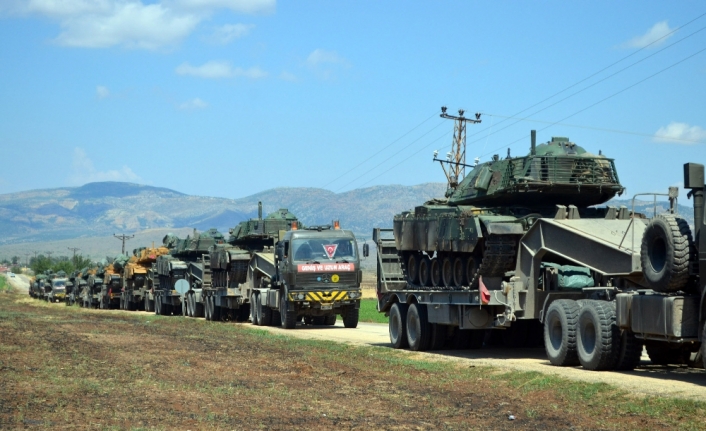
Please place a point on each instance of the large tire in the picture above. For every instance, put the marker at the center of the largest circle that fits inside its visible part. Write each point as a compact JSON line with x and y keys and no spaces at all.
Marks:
{"x":351,"y":317}
{"x":560,"y":325}
{"x":397,"y":325}
{"x":412,"y":268}
{"x":185,"y":307}
{"x":418,"y":328}
{"x":288,"y":317}
{"x":207,"y":308}
{"x":598,"y":339}
{"x":666,"y":249}
{"x":264,"y":313}
{"x":253,"y":308}
{"x":629,"y":353}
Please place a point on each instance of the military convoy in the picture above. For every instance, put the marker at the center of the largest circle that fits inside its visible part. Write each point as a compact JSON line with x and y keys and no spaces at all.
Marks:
{"x":518,"y":252}
{"x":518,"y":248}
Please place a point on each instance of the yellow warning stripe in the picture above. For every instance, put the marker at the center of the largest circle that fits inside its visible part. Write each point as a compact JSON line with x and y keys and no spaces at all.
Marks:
{"x":320,"y":296}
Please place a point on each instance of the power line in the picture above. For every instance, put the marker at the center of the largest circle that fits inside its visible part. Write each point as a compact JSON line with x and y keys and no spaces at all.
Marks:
{"x":124,"y":238}
{"x":383,"y":149}
{"x":600,"y":129}
{"x":605,"y":98}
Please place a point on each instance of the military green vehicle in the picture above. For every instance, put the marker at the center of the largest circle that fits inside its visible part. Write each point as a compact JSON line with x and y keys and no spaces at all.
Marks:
{"x":228,"y":264}
{"x":56,"y":288}
{"x":74,"y":287}
{"x":90,"y":294}
{"x":36,"y":286}
{"x":111,"y":289}
{"x":184,"y":262}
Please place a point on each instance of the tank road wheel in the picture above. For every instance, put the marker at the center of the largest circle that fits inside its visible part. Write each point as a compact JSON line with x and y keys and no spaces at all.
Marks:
{"x":413,"y":268}
{"x":471,"y":267}
{"x":418,"y":328}
{"x":447,"y":271}
{"x":398,"y":325}
{"x":289,"y":317}
{"x":598,"y":340}
{"x":665,"y":252}
{"x":459,"y":272}
{"x":435,"y":272}
{"x":253,"y":308}
{"x":560,"y":325}
{"x":351,"y":317}
{"x":264,"y":313}
{"x":425,"y":271}
{"x":330,"y":320}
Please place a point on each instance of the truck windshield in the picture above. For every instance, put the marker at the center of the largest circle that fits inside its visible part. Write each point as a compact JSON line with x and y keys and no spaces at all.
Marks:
{"x":323,"y":249}
{"x":60,"y":284}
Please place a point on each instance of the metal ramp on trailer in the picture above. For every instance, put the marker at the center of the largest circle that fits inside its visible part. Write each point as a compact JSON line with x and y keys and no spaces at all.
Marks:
{"x":389,"y":268}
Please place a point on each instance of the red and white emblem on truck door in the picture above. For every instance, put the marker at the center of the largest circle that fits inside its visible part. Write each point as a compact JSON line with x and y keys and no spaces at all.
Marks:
{"x":330,"y":250}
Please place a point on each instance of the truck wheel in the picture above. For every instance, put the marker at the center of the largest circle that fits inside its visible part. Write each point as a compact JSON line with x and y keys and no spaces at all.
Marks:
{"x":264,"y":313}
{"x":662,"y":353}
{"x":351,"y":317}
{"x":665,"y":252}
{"x":418,"y":328}
{"x":598,"y":340}
{"x":288,"y":317}
{"x":413,"y":268}
{"x":447,"y":271}
{"x":560,"y":325}
{"x":253,"y":308}
{"x":157,"y":307}
{"x":630,"y":352}
{"x":207,"y":308}
{"x":330,"y":320}
{"x":398,"y":325}
{"x":439,"y":334}
{"x":425,"y":271}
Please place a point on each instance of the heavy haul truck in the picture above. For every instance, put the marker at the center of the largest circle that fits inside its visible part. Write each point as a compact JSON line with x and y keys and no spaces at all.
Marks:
{"x":137,"y":283}
{"x":595,"y":284}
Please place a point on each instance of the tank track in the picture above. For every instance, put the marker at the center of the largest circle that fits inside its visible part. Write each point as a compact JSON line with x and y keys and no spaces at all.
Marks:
{"x":499,"y":257}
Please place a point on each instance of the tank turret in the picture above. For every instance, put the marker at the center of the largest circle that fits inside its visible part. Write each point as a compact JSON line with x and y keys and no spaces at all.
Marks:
{"x":558,"y":172}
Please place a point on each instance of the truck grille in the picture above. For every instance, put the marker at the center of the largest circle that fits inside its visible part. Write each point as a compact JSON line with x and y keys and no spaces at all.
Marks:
{"x":324,"y":279}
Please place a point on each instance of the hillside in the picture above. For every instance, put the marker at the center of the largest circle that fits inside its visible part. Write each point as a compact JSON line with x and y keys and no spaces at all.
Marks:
{"x":101,"y":209}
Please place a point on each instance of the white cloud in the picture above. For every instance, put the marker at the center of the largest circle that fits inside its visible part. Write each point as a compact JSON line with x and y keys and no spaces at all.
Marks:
{"x":320,"y":56}
{"x":193,"y":104}
{"x":242,"y":6}
{"x":286,"y":76}
{"x":229,"y":32}
{"x":219,"y":69}
{"x":83,"y":171}
{"x":102,"y":92}
{"x":680,"y":133}
{"x":140,"y":24}
{"x":659,"y":30}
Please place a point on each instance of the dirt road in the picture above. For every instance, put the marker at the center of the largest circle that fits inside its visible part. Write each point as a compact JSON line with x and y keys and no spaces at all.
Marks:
{"x":19,"y":282}
{"x":648,"y":379}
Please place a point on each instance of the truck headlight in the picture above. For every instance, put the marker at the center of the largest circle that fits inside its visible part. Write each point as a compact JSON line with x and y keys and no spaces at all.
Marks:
{"x":354,"y":295}
{"x":300,"y":296}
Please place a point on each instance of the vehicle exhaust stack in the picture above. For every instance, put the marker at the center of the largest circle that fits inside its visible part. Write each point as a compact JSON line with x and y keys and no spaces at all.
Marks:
{"x":259,"y":210}
{"x":694,"y":180}
{"x":533,"y":148}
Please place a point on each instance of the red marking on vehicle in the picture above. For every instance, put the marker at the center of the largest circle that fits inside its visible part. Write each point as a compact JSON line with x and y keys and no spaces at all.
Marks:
{"x":330,"y":250}
{"x":484,"y":293}
{"x":326,"y":267}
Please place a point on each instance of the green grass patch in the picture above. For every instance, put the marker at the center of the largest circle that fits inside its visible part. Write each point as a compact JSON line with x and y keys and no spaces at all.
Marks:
{"x":4,"y":285}
{"x":369,"y":312}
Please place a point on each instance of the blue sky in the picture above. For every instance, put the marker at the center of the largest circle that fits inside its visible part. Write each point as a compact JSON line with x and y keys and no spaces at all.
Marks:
{"x":231,"y":97}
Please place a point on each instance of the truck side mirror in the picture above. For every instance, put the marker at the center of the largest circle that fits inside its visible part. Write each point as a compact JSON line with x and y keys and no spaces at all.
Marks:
{"x":279,"y":252}
{"x":366,"y":250}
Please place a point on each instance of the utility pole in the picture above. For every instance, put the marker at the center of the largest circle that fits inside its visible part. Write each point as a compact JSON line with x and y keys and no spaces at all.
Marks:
{"x":74,"y":249}
{"x":456,"y":158}
{"x":27,"y":254}
{"x":124,"y":238}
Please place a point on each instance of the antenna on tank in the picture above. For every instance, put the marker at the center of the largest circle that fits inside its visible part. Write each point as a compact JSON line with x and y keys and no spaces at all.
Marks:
{"x":455,"y":168}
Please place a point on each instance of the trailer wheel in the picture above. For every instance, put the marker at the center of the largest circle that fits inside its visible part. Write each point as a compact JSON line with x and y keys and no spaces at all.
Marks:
{"x":413,"y":268}
{"x":665,"y":252}
{"x":598,"y":341}
{"x":397,"y":325}
{"x":264,"y":313}
{"x":351,"y":317}
{"x":157,"y":307}
{"x":418,"y":328}
{"x":447,"y":271}
{"x":207,"y":308}
{"x":253,"y":308}
{"x":289,"y":317}
{"x":702,"y":349}
{"x":185,"y":306}
{"x":630,"y":352}
{"x":560,"y":326}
